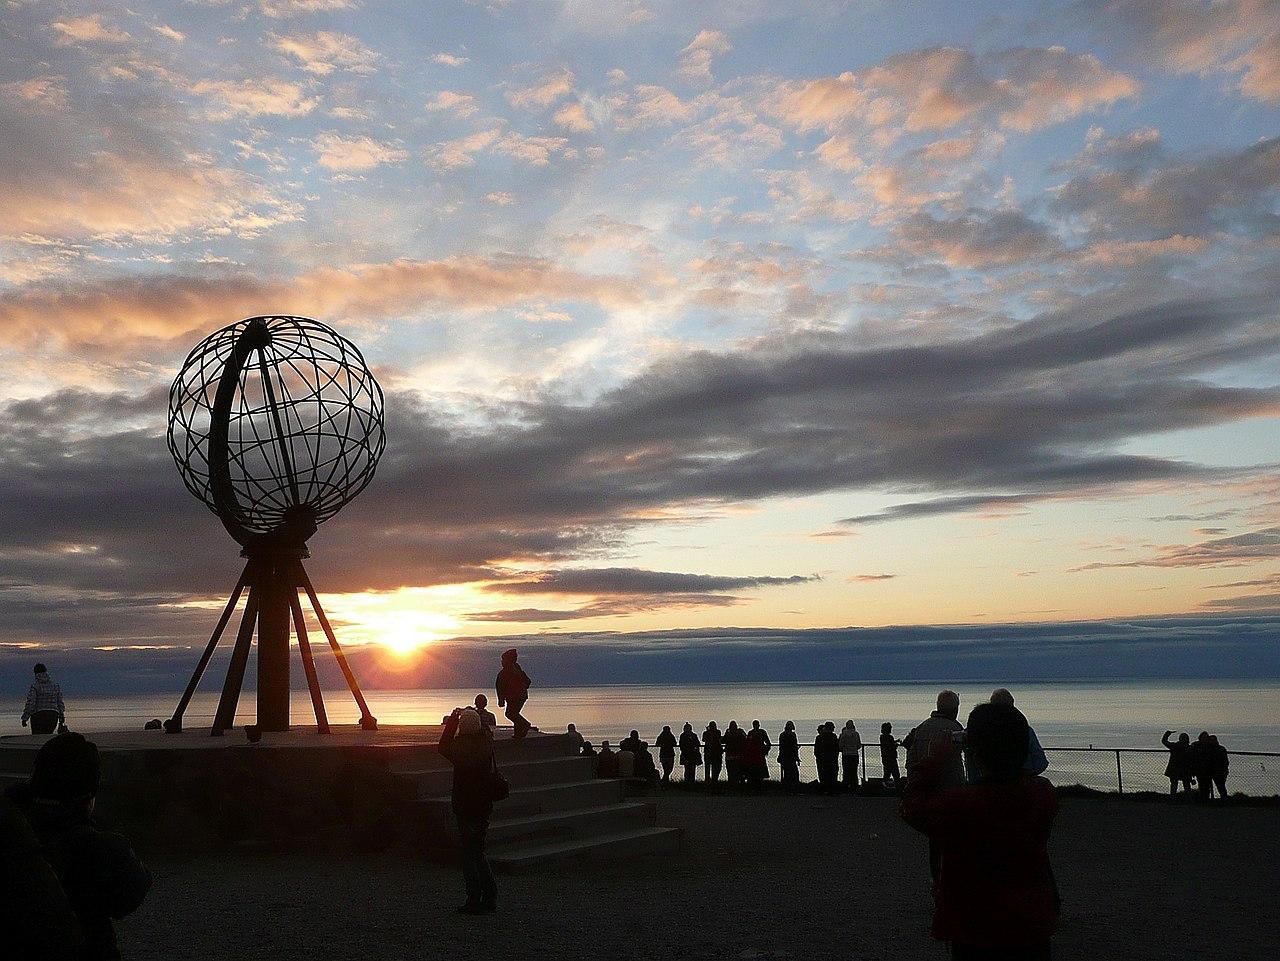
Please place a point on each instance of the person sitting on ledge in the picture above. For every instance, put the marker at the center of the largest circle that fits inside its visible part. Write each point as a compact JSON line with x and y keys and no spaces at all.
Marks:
{"x":607,"y":762}
{"x":44,"y":707}
{"x":486,"y":716}
{"x":587,"y":750}
{"x":644,"y":768}
{"x":995,"y":895}
{"x":573,"y":739}
{"x":102,"y":877}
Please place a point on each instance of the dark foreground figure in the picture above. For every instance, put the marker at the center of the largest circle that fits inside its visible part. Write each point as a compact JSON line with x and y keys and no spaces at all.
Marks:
{"x":512,"y":686}
{"x":995,"y":897}
{"x":468,"y":745}
{"x":102,"y":878}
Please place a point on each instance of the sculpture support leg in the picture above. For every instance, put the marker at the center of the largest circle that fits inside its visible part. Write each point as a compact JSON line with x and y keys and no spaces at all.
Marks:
{"x":273,"y":647}
{"x":367,"y":720}
{"x":175,"y":722}
{"x":226,"y":716}
{"x":308,"y":664}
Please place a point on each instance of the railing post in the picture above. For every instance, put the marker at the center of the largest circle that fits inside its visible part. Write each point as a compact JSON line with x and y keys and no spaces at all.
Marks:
{"x":1119,"y":775}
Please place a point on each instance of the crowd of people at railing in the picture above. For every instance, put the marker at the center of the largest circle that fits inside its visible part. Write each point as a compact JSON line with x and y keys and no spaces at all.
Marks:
{"x":1203,"y":763}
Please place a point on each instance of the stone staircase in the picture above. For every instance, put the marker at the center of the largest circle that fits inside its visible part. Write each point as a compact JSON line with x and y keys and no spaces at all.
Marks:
{"x":557,"y":810}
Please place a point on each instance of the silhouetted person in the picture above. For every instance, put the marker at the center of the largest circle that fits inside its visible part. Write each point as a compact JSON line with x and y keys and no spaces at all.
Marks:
{"x":44,"y":707}
{"x":102,"y":877}
{"x":645,"y":769}
{"x":574,"y":739}
{"x":789,"y":756}
{"x":995,"y":897}
{"x":1202,"y":766}
{"x":607,"y":762}
{"x":468,"y":745}
{"x":486,"y":716}
{"x":1037,"y":762}
{"x":666,"y":743}
{"x":630,"y":743}
{"x":1178,"y":770}
{"x":889,"y":756}
{"x":850,"y":754}
{"x":713,"y":748}
{"x":826,"y":754}
{"x":1219,"y":765}
{"x":939,"y":731}
{"x":690,"y":753}
{"x":735,"y":745}
{"x":36,"y":919}
{"x":513,"y":690}
{"x":757,"y":751}
{"x":587,"y":750}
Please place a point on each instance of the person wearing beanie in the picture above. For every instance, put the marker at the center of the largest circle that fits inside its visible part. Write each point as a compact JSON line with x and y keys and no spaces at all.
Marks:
{"x":102,"y":876}
{"x":512,"y":686}
{"x":468,"y":744}
{"x":44,"y":707}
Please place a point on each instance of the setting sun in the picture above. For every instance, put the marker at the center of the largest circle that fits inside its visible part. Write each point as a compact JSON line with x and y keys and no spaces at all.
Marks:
{"x":402,"y":621}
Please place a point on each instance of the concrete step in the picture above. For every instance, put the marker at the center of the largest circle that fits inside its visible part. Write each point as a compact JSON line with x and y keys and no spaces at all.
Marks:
{"x":571,"y":825}
{"x":426,"y":757}
{"x":438,"y":781}
{"x":618,"y":844}
{"x":539,"y":799}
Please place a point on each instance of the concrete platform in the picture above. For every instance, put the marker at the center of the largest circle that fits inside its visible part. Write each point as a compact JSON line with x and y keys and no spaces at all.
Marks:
{"x":352,"y":789}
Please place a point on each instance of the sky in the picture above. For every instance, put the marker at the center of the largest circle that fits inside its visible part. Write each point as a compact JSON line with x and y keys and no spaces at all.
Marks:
{"x":737,"y":331}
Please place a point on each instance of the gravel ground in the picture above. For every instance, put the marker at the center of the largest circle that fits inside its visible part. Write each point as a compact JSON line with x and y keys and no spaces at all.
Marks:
{"x":760,"y":877}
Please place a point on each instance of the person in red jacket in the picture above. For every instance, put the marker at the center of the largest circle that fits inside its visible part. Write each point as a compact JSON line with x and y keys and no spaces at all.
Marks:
{"x":995,"y":897}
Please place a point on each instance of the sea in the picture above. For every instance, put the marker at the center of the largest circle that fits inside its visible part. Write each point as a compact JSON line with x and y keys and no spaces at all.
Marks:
{"x":1245,"y":715}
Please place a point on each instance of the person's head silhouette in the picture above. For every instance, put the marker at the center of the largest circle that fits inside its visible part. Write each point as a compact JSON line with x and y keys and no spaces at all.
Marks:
{"x":573,"y":728}
{"x":481,"y":702}
{"x":886,"y":728}
{"x":790,"y":726}
{"x":41,"y":669}
{"x":1184,"y":738}
{"x":635,"y":735}
{"x":996,"y":742}
{"x":67,"y":771}
{"x":1001,"y":695}
{"x":755,"y":725}
{"x":949,"y":704}
{"x":688,"y":728}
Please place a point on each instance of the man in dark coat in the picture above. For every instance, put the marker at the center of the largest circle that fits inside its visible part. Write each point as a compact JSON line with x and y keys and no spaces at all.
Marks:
{"x":713,"y":752}
{"x":102,"y":877}
{"x":826,"y":752}
{"x":512,"y":686}
{"x":789,"y":756}
{"x":468,"y":745}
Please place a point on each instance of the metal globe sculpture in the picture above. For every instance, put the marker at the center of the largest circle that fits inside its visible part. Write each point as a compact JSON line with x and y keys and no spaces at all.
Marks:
{"x":275,"y":423}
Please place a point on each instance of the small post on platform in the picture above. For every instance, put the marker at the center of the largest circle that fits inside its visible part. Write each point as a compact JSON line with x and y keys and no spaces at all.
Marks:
{"x":1119,"y":775}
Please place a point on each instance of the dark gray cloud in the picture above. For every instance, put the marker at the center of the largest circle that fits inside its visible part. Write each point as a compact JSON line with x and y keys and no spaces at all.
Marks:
{"x":1232,"y":551}
{"x":976,"y":239}
{"x":632,"y":580}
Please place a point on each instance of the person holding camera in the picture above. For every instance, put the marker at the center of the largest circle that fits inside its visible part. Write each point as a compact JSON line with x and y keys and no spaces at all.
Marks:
{"x":468,"y":745}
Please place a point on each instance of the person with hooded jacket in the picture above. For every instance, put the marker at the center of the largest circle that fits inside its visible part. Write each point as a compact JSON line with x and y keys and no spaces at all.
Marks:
{"x":666,"y":743}
{"x":690,"y":753}
{"x":850,"y":754}
{"x":789,"y":756}
{"x":103,"y":879}
{"x":713,"y":744}
{"x":512,"y":686}
{"x":468,"y":745}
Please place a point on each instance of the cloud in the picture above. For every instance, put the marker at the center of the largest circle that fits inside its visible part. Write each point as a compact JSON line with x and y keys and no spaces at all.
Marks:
{"x":264,"y":97}
{"x":123,"y":309}
{"x":278,"y":9}
{"x":90,"y":28}
{"x":536,"y":151}
{"x":542,"y":94}
{"x":573,"y":117}
{"x":869,"y":578}
{"x":632,"y":580}
{"x":169,"y":33}
{"x":355,"y":153}
{"x":461,"y":104}
{"x":696,"y":58}
{"x":1239,"y":38}
{"x":1232,"y":551}
{"x":1021,"y":88}
{"x":450,"y":60}
{"x":977,"y":239}
{"x":324,"y":51}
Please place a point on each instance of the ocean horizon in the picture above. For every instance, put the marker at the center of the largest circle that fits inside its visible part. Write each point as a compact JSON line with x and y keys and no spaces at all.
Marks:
{"x":1111,"y":713}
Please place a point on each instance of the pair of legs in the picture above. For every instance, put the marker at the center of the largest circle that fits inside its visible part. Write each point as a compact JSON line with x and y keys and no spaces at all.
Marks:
{"x":850,"y":762}
{"x":891,"y":771}
{"x":668,"y":765}
{"x":44,"y":722}
{"x":1221,"y":784}
{"x":712,"y":772}
{"x":690,"y":773}
{"x":790,"y":773}
{"x":482,"y":890}
{"x":829,"y":776}
{"x":1175,"y":781}
{"x":514,"y":706}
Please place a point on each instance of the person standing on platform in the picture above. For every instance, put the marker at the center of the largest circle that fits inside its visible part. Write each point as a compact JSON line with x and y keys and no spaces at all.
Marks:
{"x":513,"y":691}
{"x":103,"y":879}
{"x":1178,"y":770}
{"x":995,"y":895}
{"x":938,"y":733}
{"x":690,"y":754}
{"x":1202,"y":765}
{"x":486,"y":716}
{"x":1037,"y":760}
{"x":666,"y":743}
{"x":889,"y":756}
{"x":735,"y":743}
{"x":789,"y":756}
{"x":44,"y":707}
{"x":826,"y":752}
{"x":850,"y":754}
{"x":468,"y":746}
{"x":761,"y":745}
{"x":713,"y":748}
{"x":1219,"y":765}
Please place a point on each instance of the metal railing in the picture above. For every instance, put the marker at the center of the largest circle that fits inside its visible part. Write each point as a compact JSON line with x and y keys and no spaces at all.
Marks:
{"x":1125,"y":770}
